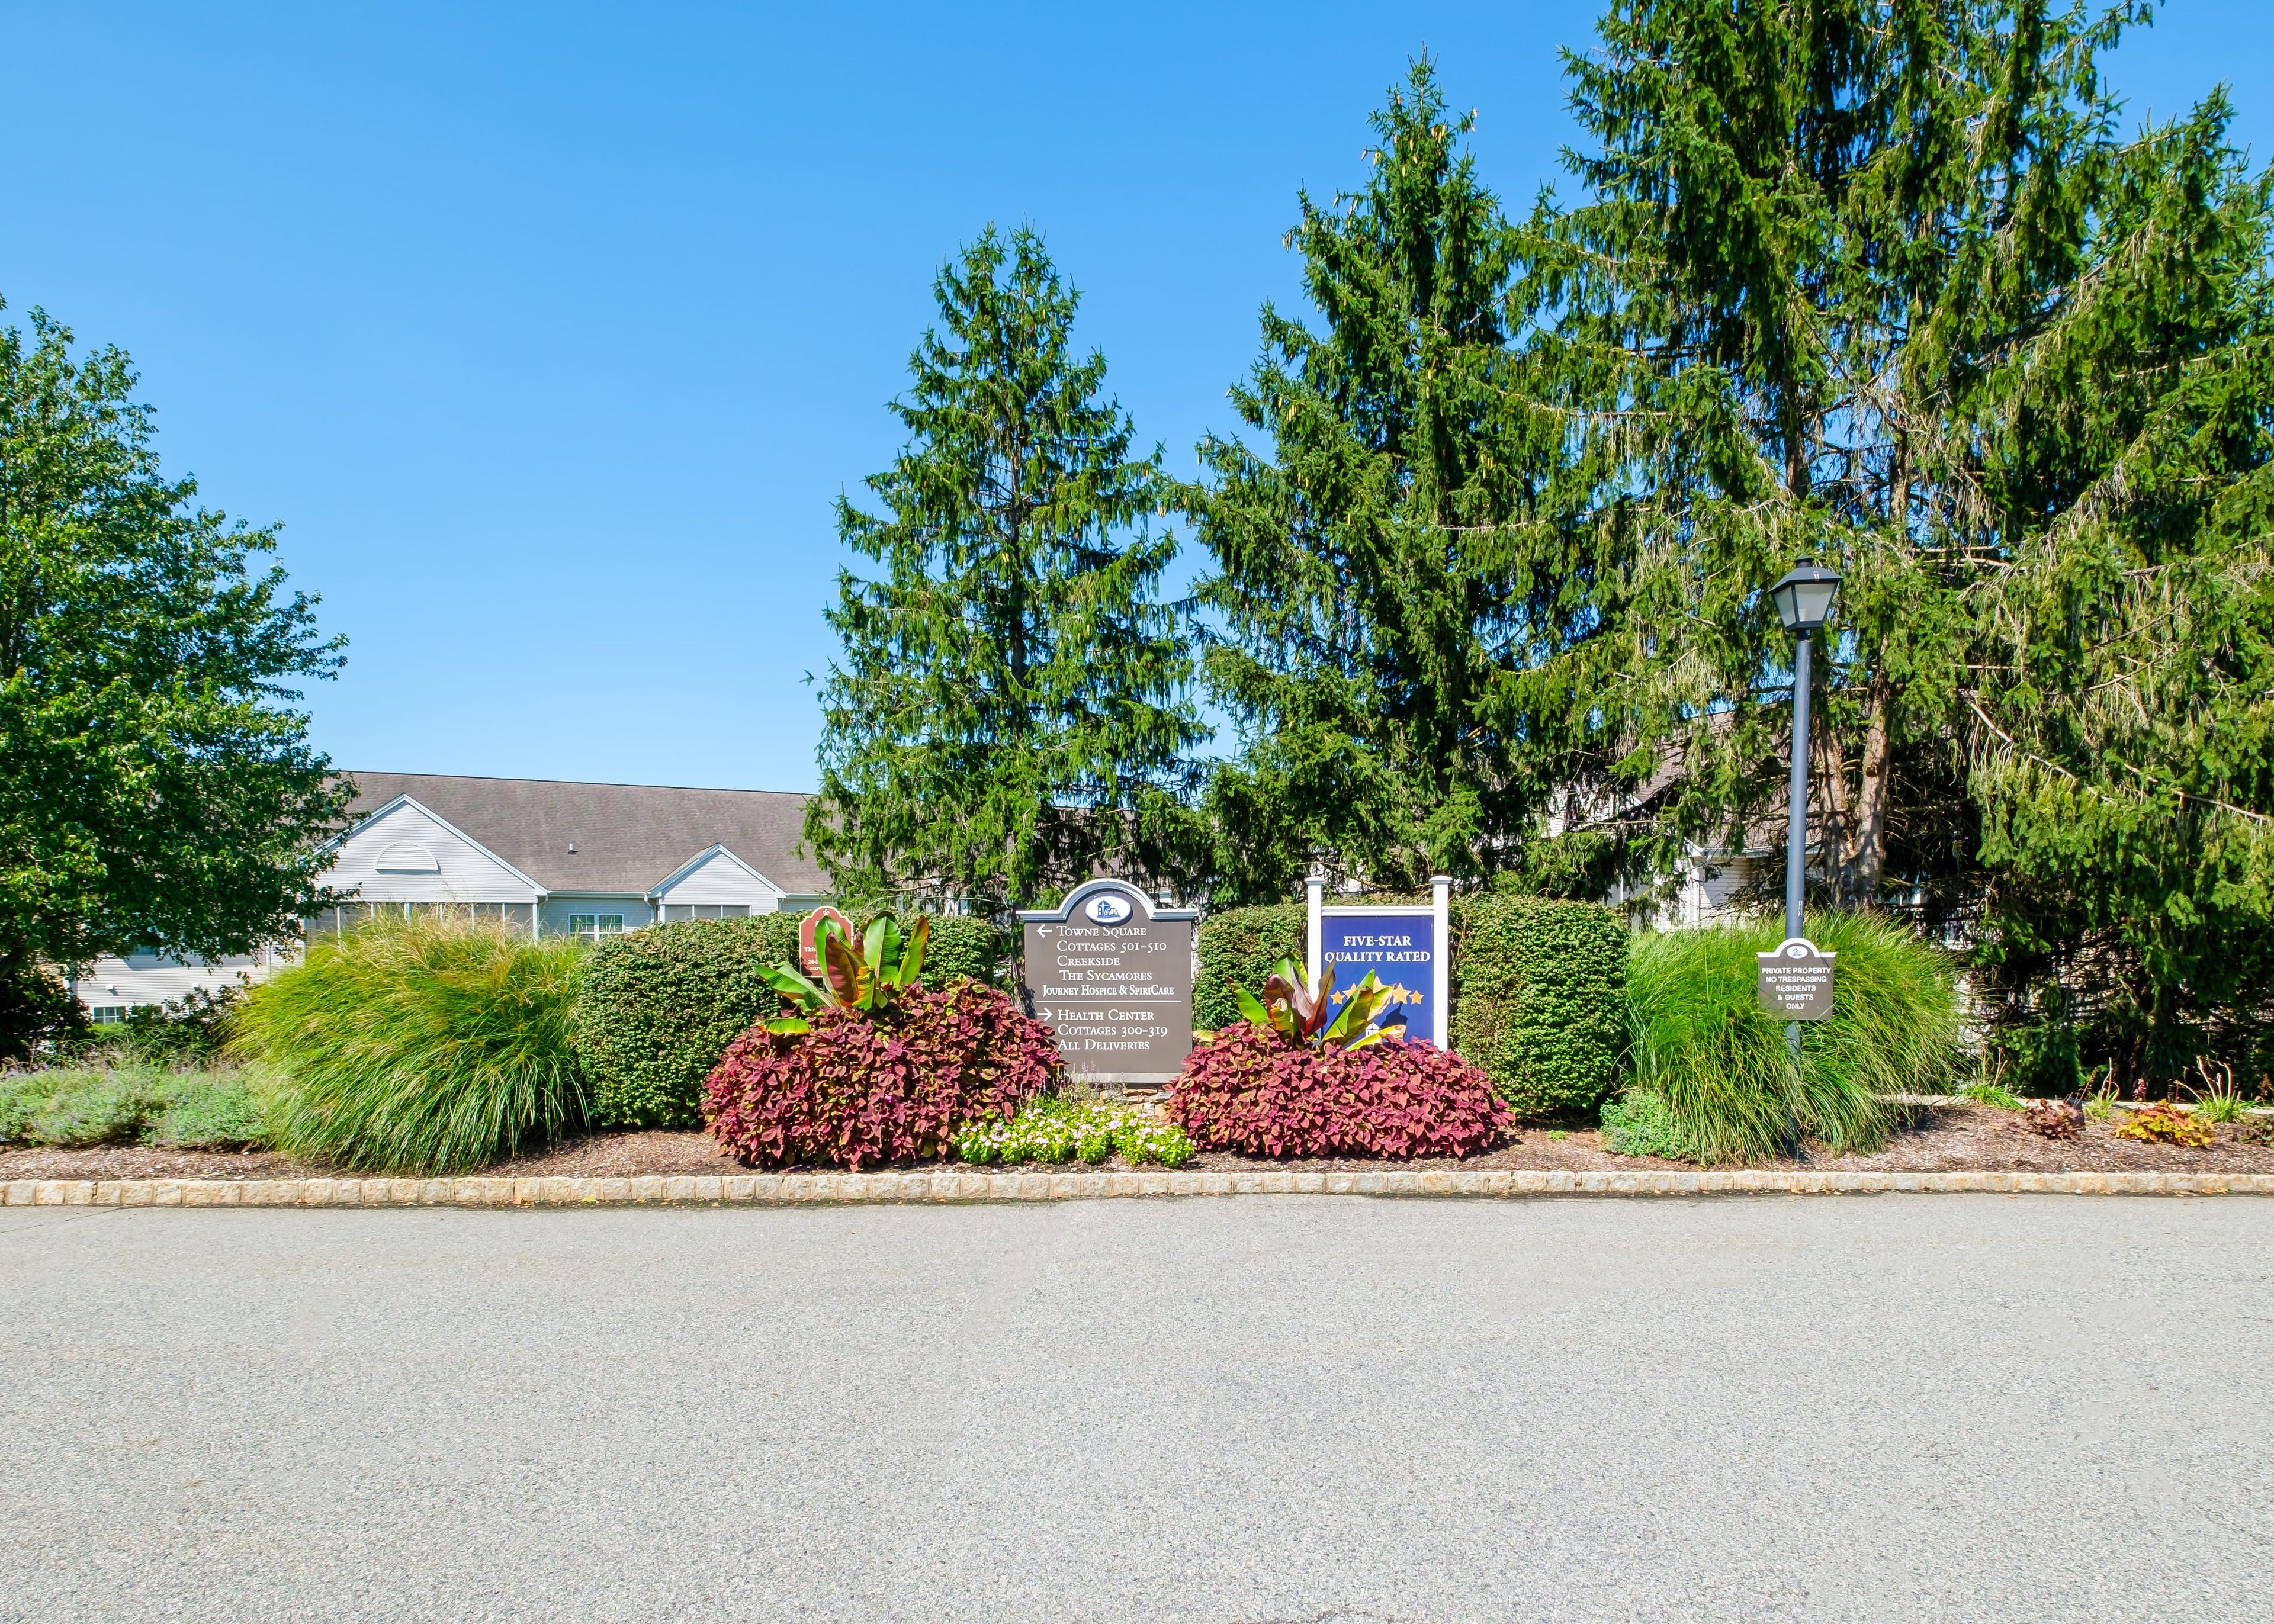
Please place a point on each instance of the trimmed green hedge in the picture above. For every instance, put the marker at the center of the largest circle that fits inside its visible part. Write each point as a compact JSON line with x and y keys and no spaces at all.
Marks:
{"x":659,"y":1006}
{"x":1240,"y":947}
{"x":1539,"y":1000}
{"x":959,"y":945}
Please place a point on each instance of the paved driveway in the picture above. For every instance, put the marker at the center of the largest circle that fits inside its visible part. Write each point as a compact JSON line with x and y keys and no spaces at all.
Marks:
{"x":1295,"y":1408}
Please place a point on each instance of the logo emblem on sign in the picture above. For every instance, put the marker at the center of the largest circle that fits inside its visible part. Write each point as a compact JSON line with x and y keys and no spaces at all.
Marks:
{"x":1107,"y":909}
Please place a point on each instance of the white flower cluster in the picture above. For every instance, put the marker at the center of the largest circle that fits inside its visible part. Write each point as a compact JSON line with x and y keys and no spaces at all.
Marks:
{"x":1056,"y":1129}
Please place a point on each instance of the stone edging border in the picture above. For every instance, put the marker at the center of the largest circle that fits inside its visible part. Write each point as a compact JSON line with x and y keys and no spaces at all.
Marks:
{"x":834,"y":1189}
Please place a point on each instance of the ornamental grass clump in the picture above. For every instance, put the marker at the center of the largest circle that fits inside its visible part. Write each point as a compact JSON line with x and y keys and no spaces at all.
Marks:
{"x":1704,"y":1047}
{"x":1297,"y":1077}
{"x":420,"y":1047}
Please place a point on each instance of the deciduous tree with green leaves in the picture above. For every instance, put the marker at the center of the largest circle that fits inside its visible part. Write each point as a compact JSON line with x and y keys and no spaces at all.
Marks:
{"x":1885,"y":282}
{"x":156,"y":785}
{"x":1011,"y":712}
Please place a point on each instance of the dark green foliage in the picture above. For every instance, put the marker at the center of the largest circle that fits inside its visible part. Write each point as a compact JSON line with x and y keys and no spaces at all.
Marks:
{"x":1539,"y":1000}
{"x":1240,"y":947}
{"x":37,"y":1011}
{"x":419,"y":1048}
{"x":186,"y":1031}
{"x":1893,"y":285}
{"x":1703,"y":1044}
{"x":962,"y":946}
{"x":155,"y":788}
{"x":658,"y":1007}
{"x":128,"y":1105}
{"x":1010,"y":712}
{"x":1388,"y":570}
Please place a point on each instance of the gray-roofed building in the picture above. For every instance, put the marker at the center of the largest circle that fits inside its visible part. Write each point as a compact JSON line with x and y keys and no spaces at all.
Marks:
{"x":539,"y":855}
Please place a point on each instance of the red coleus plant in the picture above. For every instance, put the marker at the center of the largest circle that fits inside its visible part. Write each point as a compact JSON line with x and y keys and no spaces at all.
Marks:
{"x":859,"y":1088}
{"x":1267,"y":1093}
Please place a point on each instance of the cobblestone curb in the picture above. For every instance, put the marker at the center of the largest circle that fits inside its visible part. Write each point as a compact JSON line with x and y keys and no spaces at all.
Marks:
{"x":828,"y":1189}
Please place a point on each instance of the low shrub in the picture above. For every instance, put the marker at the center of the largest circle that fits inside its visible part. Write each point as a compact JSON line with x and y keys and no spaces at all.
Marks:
{"x":1638,"y":1122}
{"x":2053,"y":1119}
{"x":191,"y":1030}
{"x":1995,"y":1095}
{"x":1704,"y":1045}
{"x":424,"y":1047}
{"x":899,"y":1085}
{"x":1540,"y":1003}
{"x":962,"y":946}
{"x":657,"y":1008}
{"x":129,"y":1105}
{"x":2164,"y":1124}
{"x":1239,"y":947}
{"x":1065,"y":1127}
{"x":1255,"y":1091}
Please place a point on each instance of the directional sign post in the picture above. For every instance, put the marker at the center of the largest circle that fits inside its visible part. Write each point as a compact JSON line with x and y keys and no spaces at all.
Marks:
{"x":1112,"y":973}
{"x":1796,"y":981}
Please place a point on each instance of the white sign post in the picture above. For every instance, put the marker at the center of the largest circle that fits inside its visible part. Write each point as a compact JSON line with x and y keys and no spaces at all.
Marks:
{"x":1409,"y":949}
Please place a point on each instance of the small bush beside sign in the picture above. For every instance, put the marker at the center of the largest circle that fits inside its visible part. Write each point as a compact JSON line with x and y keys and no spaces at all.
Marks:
{"x":1541,"y":1000}
{"x":660,"y":1007}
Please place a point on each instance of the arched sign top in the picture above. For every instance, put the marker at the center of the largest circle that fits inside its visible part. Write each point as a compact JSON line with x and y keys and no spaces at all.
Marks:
{"x":1104,"y":902}
{"x":1799,"y":947}
{"x":1105,"y":908}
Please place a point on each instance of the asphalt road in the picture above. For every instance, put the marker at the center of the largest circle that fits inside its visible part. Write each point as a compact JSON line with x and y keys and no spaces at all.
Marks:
{"x":1295,"y":1408}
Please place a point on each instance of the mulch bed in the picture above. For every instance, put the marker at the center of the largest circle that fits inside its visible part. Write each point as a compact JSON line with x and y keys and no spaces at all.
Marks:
{"x":1958,"y":1138}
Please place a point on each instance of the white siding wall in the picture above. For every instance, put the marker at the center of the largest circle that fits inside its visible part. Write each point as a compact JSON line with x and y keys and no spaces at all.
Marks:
{"x":463,"y":871}
{"x":720,"y":878}
{"x":146,"y":978}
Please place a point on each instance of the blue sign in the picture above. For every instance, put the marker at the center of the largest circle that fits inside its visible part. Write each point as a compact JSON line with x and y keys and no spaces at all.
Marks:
{"x":1401,"y":949}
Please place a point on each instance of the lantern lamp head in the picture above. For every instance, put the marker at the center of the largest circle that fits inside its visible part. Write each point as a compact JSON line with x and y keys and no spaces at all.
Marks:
{"x":1804,"y":597}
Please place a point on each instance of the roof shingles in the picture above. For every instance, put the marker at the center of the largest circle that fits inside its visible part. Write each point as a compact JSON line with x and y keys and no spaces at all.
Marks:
{"x":629,"y":836}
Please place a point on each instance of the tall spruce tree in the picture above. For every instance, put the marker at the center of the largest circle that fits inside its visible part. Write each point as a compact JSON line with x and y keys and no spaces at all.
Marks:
{"x":1881,"y":281}
{"x":1392,"y":576}
{"x":1011,"y":713}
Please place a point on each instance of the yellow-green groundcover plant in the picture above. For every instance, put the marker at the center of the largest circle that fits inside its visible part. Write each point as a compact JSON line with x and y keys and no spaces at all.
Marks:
{"x":417,"y":1048}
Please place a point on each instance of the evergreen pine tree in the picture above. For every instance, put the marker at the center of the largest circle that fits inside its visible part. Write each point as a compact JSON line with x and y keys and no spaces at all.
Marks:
{"x":1391,"y":575}
{"x":1880,"y":282}
{"x":1011,"y":709}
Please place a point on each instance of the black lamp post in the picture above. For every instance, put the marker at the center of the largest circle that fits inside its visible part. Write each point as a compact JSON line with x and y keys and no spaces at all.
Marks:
{"x":1803,"y":599}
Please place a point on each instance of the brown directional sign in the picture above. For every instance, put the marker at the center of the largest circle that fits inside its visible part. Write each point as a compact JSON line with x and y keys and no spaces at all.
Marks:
{"x":1796,"y":981}
{"x":1112,"y":974}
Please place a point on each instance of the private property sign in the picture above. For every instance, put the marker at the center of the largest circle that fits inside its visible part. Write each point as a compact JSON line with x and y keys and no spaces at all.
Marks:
{"x":1112,"y":974}
{"x":1796,"y":981}
{"x":1404,"y":947}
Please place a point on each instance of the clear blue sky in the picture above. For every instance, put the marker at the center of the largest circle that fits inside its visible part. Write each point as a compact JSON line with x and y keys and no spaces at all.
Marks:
{"x":550,"y":332}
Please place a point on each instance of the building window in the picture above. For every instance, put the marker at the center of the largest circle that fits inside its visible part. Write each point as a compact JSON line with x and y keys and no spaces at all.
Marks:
{"x":592,"y":927}
{"x":515,"y":916}
{"x":675,"y":911}
{"x":108,"y":1014}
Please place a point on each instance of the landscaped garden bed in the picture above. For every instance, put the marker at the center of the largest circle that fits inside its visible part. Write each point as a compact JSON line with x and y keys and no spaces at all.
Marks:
{"x":1958,"y":1137}
{"x":711,"y":1050}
